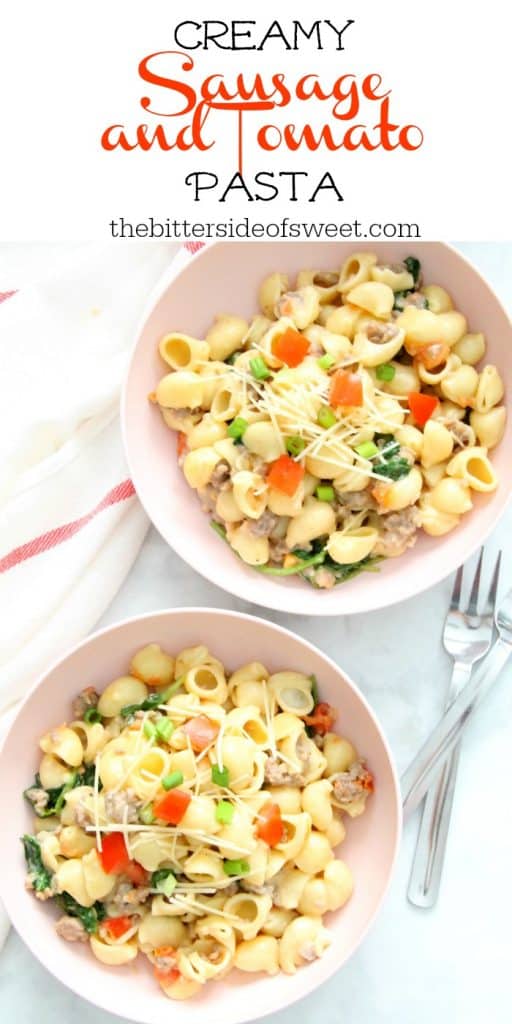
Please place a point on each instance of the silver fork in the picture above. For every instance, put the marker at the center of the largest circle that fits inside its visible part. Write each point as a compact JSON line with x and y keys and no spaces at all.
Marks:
{"x":467,"y":637}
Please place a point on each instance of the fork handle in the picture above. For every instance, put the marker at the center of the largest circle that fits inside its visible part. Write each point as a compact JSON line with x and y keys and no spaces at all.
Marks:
{"x":422,"y":770}
{"x":427,"y":867}
{"x":430,"y":850}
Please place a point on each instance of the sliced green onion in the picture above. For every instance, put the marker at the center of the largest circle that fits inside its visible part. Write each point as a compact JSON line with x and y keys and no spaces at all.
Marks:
{"x":220,"y":776}
{"x":92,"y":715}
{"x":259,"y":368}
{"x":367,"y":449}
{"x":385,"y":372}
{"x":237,"y":428}
{"x":326,"y":417}
{"x":295,"y":445}
{"x":325,"y":492}
{"x":163,"y":881}
{"x":146,"y":815}
{"x":236,"y":867}
{"x":224,"y":812}
{"x":164,"y":729}
{"x":326,"y":361}
{"x":172,"y":780}
{"x":149,"y":730}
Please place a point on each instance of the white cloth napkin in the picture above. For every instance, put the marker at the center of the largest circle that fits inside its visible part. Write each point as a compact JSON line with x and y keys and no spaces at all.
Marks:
{"x":70,"y":524}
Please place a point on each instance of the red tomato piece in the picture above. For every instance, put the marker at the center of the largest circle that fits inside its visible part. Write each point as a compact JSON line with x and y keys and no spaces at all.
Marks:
{"x":422,"y":406}
{"x":116,"y":926}
{"x":201,"y":732}
{"x":114,"y":856}
{"x":136,"y":873}
{"x":270,"y":826}
{"x":285,"y":474}
{"x":322,"y":719}
{"x":290,"y":347}
{"x":172,"y":806}
{"x":346,"y":389}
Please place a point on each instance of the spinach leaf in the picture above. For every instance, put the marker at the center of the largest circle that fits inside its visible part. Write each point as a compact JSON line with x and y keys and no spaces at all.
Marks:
{"x":39,"y":876}
{"x":86,"y":778}
{"x":56,"y":796}
{"x":149,"y":704}
{"x":89,"y":916}
{"x":393,"y":469}
{"x":154,"y":700}
{"x":292,"y":570}
{"x":414,"y":267}
{"x":389,"y":463}
{"x":343,"y":573}
{"x":400,"y":301}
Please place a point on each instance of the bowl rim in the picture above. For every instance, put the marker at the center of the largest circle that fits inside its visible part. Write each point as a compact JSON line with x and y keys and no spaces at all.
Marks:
{"x":238,"y":586}
{"x":22,"y":926}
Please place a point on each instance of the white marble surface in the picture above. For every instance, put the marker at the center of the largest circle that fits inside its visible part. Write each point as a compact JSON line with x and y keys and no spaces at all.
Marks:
{"x":450,"y":964}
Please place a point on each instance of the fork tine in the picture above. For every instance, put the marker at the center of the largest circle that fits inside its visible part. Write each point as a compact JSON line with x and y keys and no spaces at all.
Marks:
{"x":473,"y":597}
{"x":457,"y":587}
{"x":490,"y":603}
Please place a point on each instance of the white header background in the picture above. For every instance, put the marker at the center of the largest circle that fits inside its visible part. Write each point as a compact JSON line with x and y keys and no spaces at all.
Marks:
{"x":67,"y":70}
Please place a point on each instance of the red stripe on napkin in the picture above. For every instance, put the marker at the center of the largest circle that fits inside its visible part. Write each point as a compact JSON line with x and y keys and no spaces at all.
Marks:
{"x":7,"y":295}
{"x":193,"y":247}
{"x":57,"y":536}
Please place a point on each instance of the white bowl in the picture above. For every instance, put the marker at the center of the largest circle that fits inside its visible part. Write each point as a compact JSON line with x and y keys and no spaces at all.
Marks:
{"x":225,"y":278}
{"x":369,"y":848}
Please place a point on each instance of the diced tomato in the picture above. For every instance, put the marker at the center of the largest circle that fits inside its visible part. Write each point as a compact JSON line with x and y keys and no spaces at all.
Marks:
{"x":114,"y":856}
{"x":285,"y":475}
{"x":136,"y":873}
{"x":322,"y":719}
{"x":172,"y":806}
{"x":166,"y":977}
{"x":270,"y":826}
{"x":346,"y":389}
{"x":433,"y":355}
{"x":181,"y":444}
{"x":290,"y":347}
{"x":422,"y":406}
{"x":116,"y":926}
{"x":201,"y":732}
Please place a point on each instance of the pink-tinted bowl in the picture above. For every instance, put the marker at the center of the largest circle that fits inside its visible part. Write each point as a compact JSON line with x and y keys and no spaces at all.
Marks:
{"x":369,"y":848}
{"x":225,"y":278}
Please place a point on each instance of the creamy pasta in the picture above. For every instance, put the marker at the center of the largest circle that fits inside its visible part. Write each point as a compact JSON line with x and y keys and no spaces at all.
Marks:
{"x":317,"y":435}
{"x":191,"y":815}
